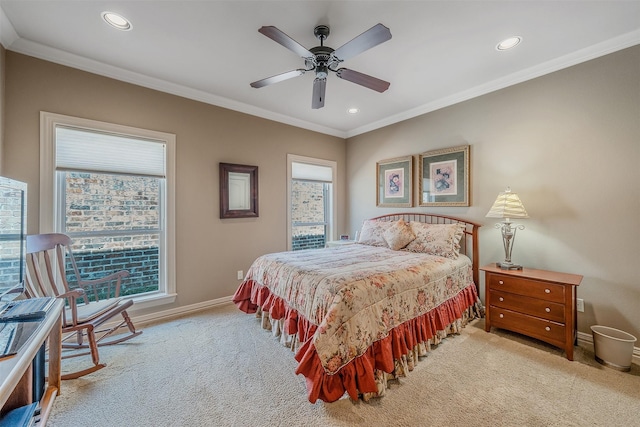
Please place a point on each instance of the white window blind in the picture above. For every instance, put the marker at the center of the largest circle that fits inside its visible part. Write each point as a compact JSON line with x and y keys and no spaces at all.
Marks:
{"x":85,"y":150}
{"x":309,"y":172}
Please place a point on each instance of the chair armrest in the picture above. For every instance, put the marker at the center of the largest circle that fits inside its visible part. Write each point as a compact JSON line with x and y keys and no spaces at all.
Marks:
{"x":74,"y":293}
{"x":93,"y":284}
{"x":113,"y":276}
{"x":72,"y":297}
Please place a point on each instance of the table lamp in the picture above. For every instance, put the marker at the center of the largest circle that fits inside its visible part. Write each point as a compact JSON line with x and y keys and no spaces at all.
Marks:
{"x":507,"y":206}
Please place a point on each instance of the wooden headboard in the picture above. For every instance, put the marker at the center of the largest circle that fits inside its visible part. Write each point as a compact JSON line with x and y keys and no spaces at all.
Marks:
{"x":468,"y":244}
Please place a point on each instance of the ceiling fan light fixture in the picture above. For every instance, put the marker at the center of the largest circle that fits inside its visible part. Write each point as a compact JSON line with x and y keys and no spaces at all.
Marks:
{"x":322,"y":71}
{"x":116,"y":21}
{"x":509,"y":43}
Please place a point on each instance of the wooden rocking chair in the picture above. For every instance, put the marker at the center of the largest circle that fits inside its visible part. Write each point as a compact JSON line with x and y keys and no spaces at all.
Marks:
{"x":46,"y":256}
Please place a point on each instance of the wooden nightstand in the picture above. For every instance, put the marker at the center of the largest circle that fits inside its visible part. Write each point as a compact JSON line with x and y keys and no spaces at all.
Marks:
{"x":537,"y":303}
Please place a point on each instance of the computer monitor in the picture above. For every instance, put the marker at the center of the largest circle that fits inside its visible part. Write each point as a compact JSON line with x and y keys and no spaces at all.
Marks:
{"x":13,"y":237}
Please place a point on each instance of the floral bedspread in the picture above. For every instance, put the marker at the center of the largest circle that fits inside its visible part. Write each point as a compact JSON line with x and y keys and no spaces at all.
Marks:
{"x":357,"y":294}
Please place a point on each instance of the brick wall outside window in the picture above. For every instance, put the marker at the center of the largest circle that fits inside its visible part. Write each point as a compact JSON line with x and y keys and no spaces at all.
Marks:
{"x":10,"y":243}
{"x":125,"y":210}
{"x":307,"y":206}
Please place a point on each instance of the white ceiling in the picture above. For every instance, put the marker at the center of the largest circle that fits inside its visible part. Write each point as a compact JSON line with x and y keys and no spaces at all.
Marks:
{"x":441,"y":52}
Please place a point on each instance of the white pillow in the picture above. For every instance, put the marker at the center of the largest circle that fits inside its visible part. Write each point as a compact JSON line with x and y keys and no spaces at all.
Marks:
{"x":436,"y":239}
{"x":398,"y":235}
{"x":372,"y":232}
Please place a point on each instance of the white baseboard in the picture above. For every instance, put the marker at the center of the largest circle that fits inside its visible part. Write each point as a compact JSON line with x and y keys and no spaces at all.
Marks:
{"x":158,"y":316}
{"x":586,"y":341}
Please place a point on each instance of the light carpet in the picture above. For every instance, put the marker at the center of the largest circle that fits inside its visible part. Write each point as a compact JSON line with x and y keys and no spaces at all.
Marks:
{"x":219,"y":368}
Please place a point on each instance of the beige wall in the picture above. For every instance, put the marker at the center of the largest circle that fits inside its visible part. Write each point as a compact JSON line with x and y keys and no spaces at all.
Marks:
{"x":569,"y":144}
{"x":209,"y":250}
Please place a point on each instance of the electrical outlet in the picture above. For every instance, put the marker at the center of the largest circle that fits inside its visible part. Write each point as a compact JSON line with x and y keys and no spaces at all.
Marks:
{"x":580,"y":305}
{"x":240,"y":275}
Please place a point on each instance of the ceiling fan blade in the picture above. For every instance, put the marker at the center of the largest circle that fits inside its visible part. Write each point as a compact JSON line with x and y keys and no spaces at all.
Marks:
{"x":277,"y":78}
{"x":370,"y":38}
{"x":363,"y":79}
{"x":279,"y":37}
{"x":319,"y":88}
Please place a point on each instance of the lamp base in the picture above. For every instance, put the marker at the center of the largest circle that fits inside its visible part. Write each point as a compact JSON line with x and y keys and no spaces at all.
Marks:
{"x":508,"y":266}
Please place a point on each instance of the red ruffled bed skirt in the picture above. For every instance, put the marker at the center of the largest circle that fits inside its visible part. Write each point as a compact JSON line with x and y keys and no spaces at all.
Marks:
{"x":358,"y":376}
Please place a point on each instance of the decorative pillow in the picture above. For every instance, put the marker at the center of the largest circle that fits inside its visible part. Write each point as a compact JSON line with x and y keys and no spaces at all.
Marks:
{"x":436,"y":239}
{"x":372,"y":232}
{"x":398,"y":235}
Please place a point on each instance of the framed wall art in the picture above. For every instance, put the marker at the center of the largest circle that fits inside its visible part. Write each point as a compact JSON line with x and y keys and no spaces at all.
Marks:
{"x":238,"y":191}
{"x":394,"y":182}
{"x":444,"y":177}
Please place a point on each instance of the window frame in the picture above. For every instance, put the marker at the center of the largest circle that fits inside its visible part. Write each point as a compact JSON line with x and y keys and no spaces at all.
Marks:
{"x":49,"y":188}
{"x":332,"y":209}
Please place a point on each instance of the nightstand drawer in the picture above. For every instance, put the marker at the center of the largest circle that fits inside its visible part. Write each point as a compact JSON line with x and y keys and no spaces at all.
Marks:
{"x":527,"y":287}
{"x":544,"y":330}
{"x":527,"y":305}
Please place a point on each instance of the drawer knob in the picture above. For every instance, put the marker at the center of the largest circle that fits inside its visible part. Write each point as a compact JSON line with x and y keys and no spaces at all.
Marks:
{"x":547,"y":329}
{"x":501,"y":315}
{"x":548,"y":310}
{"x":501,"y":299}
{"x":547,"y":291}
{"x":501,"y":282}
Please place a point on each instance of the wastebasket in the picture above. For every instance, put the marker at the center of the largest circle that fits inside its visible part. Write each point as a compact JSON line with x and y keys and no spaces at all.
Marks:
{"x":613,"y":347}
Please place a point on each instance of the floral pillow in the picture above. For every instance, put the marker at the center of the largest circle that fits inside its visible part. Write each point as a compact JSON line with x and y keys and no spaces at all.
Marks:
{"x":372,"y":232}
{"x":436,"y":239}
{"x":398,"y":235}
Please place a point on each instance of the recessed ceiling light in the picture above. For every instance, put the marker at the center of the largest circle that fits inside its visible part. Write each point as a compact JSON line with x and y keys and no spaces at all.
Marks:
{"x":116,"y":21}
{"x":509,"y":43}
{"x":353,"y":111}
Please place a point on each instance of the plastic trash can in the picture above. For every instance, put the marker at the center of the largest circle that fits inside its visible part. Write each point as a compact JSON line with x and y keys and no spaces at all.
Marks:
{"x":613,"y":347}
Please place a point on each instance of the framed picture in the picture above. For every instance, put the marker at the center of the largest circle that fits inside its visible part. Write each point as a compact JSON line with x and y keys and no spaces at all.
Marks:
{"x":394,"y":182}
{"x":444,"y":177}
{"x":238,"y":191}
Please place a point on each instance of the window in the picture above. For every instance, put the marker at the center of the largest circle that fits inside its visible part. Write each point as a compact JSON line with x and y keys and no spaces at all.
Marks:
{"x":117,"y":208}
{"x":311,"y":199}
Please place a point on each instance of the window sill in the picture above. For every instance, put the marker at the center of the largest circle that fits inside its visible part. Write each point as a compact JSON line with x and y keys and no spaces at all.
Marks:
{"x":153,"y":300}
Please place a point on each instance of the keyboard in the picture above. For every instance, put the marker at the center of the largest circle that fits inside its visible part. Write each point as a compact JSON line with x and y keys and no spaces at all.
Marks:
{"x":26,"y":309}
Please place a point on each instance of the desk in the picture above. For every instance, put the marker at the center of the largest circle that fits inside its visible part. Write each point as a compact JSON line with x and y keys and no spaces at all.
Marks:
{"x":16,"y":389}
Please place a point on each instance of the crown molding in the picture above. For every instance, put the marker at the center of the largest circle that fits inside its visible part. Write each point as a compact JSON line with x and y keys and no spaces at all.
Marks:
{"x":609,"y":46}
{"x":8,"y":34}
{"x":11,"y":41}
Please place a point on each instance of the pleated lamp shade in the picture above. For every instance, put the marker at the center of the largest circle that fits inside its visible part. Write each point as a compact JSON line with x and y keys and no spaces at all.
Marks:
{"x":507,"y":205}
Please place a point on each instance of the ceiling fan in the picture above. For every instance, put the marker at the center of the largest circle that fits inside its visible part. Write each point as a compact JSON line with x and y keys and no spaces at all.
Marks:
{"x":322,"y":59}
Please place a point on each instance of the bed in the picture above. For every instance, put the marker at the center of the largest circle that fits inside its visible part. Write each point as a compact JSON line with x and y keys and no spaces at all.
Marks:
{"x":359,"y":315}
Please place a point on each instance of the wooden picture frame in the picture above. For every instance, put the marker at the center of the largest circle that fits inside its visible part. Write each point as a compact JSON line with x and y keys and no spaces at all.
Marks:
{"x":238,"y":191}
{"x":394,"y":182}
{"x":444,"y":177}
